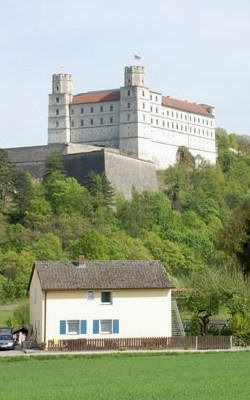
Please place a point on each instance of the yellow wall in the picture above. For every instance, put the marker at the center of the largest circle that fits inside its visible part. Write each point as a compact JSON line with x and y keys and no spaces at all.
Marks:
{"x":37,"y":307}
{"x":141,"y":312}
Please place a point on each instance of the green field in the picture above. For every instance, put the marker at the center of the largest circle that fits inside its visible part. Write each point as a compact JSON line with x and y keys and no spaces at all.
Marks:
{"x":211,"y":376}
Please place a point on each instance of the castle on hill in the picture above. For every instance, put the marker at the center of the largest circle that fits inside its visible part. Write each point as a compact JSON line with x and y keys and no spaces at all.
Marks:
{"x":136,"y":121}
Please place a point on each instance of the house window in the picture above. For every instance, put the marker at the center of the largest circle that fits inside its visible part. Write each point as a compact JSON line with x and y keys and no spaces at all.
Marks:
{"x":106,"y":326}
{"x":111,"y":107}
{"x":101,"y":108}
{"x":90,"y":295}
{"x":111,"y":120}
{"x":57,"y":99}
{"x":57,"y":111}
{"x":101,"y":121}
{"x":73,"y":327}
{"x":91,"y":109}
{"x":106,"y":298}
{"x":82,"y":110}
{"x":82,"y":122}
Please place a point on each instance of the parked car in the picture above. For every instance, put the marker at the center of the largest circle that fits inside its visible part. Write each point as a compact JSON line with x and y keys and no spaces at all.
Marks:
{"x":6,"y":341}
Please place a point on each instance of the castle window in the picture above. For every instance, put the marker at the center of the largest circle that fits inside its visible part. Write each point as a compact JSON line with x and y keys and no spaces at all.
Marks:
{"x":143,"y":105}
{"x":190,"y":118}
{"x":128,"y":117}
{"x":190,"y":128}
{"x":186,"y":128}
{"x":101,"y":121}
{"x":181,"y":116}
{"x":207,"y":121}
{"x":111,"y":107}
{"x":82,"y":110}
{"x":198,"y":120}
{"x":151,"y":97}
{"x":91,"y":109}
{"x":203,"y":121}
{"x":91,"y":122}
{"x":72,"y":111}
{"x":156,"y":110}
{"x":128,"y":105}
{"x":172,"y":113}
{"x":57,"y":124}
{"x":128,"y":92}
{"x":163,"y":123}
{"x":185,"y":116}
{"x":151,"y":120}
{"x":199,"y":131}
{"x":111,"y":120}
{"x":167,"y":112}
{"x":194,"y":130}
{"x":181,"y":127}
{"x":143,"y":93}
{"x":177,"y":127}
{"x":82,"y":122}
{"x":57,"y":111}
{"x":144,"y":117}
{"x":194,"y":119}
{"x":156,"y":98}
{"x":57,"y":88}
{"x":157,"y":122}
{"x":172,"y":125}
{"x":168,"y":124}
{"x":177,"y":115}
{"x":151,"y":108}
{"x":211,"y":123}
{"x":101,"y":108}
{"x":57,"y":99}
{"x":72,"y":123}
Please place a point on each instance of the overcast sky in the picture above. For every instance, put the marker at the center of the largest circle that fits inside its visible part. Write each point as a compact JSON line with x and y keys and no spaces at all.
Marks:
{"x":193,"y":50}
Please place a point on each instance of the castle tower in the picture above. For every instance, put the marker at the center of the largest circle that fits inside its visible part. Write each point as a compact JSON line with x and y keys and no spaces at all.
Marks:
{"x":59,"y":109}
{"x":134,"y":136}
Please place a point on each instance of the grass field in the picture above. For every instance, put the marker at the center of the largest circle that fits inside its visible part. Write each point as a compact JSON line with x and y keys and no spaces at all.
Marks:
{"x":6,"y":312}
{"x":211,"y":376}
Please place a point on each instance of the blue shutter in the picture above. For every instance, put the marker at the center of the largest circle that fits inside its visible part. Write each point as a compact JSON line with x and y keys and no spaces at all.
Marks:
{"x":115,"y":325}
{"x":83,"y":326}
{"x":95,"y":326}
{"x":62,"y":327}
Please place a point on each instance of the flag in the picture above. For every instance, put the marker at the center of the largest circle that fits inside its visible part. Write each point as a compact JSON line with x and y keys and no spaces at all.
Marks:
{"x":137,"y":57}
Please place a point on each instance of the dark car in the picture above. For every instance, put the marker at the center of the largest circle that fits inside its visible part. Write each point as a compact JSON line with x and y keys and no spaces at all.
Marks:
{"x":6,"y":342}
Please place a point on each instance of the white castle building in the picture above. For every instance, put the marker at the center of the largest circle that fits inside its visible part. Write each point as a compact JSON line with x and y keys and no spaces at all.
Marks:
{"x":134,"y":119}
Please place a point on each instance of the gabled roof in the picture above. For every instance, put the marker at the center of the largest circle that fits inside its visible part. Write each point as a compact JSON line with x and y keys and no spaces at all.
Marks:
{"x":63,"y":275}
{"x":202,"y":109}
{"x":96,"y":97}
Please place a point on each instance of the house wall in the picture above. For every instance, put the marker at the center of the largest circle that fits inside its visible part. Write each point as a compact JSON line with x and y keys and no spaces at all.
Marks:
{"x":36,"y":296}
{"x":141,"y":313}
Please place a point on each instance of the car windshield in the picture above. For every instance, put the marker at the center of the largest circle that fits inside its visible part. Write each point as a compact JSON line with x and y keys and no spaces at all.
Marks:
{"x":6,"y":337}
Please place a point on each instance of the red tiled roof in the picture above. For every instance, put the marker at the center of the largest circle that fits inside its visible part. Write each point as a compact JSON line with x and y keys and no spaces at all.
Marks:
{"x":202,"y":109}
{"x":96,"y":97}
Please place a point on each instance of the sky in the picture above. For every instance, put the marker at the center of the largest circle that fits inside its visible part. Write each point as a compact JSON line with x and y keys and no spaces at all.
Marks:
{"x":191,"y":49}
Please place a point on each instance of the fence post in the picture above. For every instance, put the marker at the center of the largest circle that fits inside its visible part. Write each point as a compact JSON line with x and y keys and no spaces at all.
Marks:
{"x":196,"y":342}
{"x":231,"y":342}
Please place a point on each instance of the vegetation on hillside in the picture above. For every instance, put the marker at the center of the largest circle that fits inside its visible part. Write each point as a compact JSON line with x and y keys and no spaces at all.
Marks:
{"x":198,"y":225}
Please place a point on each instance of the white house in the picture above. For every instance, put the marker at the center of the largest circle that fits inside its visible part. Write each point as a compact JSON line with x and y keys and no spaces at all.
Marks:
{"x":93,"y":299}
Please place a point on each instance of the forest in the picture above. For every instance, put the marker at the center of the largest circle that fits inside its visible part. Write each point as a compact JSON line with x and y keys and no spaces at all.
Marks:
{"x":197,"y":224}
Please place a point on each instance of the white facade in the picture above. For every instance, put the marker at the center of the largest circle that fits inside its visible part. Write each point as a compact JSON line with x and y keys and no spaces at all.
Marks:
{"x":134,"y":119}
{"x":132,"y":312}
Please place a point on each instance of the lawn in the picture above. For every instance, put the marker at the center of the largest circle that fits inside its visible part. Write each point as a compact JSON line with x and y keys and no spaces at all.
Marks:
{"x":6,"y":312}
{"x":210,"y":376}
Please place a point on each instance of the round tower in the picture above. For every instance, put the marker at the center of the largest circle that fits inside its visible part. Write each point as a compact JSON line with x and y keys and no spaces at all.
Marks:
{"x":134,"y":76}
{"x":62,"y":83}
{"x":59,"y":109}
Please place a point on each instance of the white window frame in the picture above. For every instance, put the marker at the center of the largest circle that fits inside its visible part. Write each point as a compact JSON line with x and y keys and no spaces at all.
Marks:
{"x":72,"y":321}
{"x":106,"y":302}
{"x":90,"y":295}
{"x":111,"y":327}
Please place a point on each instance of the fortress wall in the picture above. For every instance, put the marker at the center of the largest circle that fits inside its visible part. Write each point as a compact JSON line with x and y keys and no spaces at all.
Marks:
{"x":34,"y":153}
{"x":125,"y":172}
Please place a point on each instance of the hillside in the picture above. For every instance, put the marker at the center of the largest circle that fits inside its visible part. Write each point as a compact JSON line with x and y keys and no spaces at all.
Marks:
{"x":198,"y":225}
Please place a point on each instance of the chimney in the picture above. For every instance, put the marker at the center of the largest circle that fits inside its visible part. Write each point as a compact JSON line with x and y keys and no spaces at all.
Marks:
{"x":81,"y":261}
